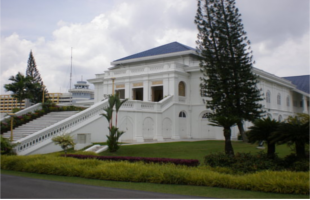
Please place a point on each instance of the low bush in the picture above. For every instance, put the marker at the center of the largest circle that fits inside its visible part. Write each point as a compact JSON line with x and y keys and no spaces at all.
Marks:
{"x":187,"y":162}
{"x":266,"y":181}
{"x":7,"y":148}
{"x":294,"y":163}
{"x":250,"y":163}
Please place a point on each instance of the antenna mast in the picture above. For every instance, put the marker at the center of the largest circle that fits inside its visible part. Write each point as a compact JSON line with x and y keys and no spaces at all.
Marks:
{"x":71,"y":70}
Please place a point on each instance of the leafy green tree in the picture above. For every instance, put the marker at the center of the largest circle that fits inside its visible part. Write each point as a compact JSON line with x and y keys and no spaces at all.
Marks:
{"x":226,"y":62}
{"x":263,"y":129}
{"x":33,"y":72}
{"x":65,"y":141}
{"x":20,"y":87}
{"x":294,"y":132}
{"x":114,"y":133}
{"x":226,"y":122}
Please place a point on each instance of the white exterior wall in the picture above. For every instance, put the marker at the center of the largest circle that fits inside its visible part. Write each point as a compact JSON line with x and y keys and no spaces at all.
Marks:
{"x":147,"y":120}
{"x":142,"y":125}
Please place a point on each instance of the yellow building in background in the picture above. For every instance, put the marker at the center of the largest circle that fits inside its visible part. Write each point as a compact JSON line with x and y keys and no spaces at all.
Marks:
{"x":7,"y":103}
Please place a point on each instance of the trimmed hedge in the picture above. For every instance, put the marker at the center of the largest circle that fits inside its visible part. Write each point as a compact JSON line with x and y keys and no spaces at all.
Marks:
{"x":250,"y":163}
{"x":265,"y":181}
{"x":187,"y":162}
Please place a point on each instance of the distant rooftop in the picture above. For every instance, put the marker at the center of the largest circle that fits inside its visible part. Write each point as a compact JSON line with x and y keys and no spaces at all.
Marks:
{"x":301,"y":82}
{"x":164,"y":49}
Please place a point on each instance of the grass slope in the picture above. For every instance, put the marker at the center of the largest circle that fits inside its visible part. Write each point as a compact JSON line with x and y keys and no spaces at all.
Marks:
{"x":188,"y":150}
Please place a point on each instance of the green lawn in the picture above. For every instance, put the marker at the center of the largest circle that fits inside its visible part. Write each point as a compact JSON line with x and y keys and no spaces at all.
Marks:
{"x":188,"y":150}
{"x":211,"y":192}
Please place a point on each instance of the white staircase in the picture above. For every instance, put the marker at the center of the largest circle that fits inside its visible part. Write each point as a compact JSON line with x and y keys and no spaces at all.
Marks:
{"x":38,"y":124}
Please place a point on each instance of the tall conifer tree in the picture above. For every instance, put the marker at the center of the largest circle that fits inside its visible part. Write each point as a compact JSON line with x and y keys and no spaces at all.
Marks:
{"x":226,"y":63}
{"x":33,"y":72}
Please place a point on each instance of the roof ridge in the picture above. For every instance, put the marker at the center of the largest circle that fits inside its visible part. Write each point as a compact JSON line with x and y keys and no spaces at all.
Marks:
{"x":295,"y":76}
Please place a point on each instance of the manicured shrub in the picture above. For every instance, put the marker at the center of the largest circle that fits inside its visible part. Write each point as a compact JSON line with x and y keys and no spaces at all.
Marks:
{"x":265,"y":181}
{"x":187,"y":162}
{"x":219,"y":160}
{"x":250,"y":163}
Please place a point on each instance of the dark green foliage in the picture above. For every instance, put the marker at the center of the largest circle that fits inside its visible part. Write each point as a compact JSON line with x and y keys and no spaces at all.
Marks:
{"x":295,"y":132}
{"x":262,"y":130}
{"x":226,"y":62}
{"x":250,"y":163}
{"x":33,"y":72}
{"x":21,"y":87}
{"x":113,"y":137}
{"x":219,"y":160}
{"x":295,"y":163}
{"x":7,"y":148}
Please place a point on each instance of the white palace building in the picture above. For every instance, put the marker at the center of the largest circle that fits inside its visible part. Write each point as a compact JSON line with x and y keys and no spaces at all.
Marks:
{"x":162,"y":85}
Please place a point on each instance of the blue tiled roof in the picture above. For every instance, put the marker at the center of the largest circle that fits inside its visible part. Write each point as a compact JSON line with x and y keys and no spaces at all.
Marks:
{"x":164,"y":49}
{"x":301,"y":82}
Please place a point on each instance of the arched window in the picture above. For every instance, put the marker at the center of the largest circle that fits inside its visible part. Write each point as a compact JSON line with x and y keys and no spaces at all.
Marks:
{"x":268,"y":96}
{"x":279,"y":99}
{"x":182,"y":114}
{"x":182,"y":89}
{"x":288,"y":101}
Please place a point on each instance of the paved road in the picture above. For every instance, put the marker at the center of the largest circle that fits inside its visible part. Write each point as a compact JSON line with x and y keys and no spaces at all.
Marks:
{"x":15,"y":187}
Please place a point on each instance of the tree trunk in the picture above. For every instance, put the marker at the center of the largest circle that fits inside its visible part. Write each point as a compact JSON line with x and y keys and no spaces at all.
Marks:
{"x":228,"y":146}
{"x":300,"y":149}
{"x":271,"y":149}
{"x":241,"y":131}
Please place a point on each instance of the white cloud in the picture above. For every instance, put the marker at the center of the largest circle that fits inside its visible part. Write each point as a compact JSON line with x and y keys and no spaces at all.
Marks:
{"x":130,"y":27}
{"x":289,"y":59}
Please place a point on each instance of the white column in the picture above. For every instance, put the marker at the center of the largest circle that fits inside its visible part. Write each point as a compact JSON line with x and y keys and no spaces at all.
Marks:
{"x":165,"y":85}
{"x":127,"y":90}
{"x":145,"y":89}
{"x":304,"y":104}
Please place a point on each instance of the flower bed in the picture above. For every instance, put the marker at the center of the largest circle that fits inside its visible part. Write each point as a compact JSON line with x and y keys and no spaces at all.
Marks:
{"x":187,"y":162}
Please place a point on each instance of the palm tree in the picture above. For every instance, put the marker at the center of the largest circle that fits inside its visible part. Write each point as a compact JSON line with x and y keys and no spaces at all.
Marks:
{"x":20,"y":87}
{"x":114,"y":133}
{"x":294,"y":132}
{"x":226,"y":123}
{"x":263,"y":130}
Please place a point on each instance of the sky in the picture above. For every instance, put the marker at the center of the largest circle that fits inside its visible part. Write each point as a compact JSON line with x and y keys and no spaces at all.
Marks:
{"x":101,"y":31}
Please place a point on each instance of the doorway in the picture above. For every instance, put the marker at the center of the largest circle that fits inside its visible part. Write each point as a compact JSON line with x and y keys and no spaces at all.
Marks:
{"x":157,"y":93}
{"x":137,"y":94}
